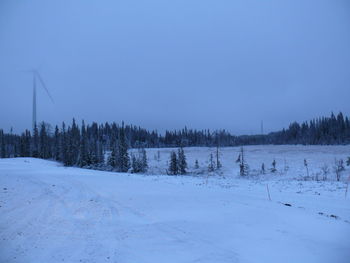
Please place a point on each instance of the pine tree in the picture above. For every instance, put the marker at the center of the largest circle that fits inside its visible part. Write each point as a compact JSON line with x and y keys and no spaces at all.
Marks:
{"x":173,"y":166}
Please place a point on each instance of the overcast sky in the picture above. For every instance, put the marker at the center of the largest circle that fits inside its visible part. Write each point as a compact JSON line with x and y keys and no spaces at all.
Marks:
{"x":166,"y":64}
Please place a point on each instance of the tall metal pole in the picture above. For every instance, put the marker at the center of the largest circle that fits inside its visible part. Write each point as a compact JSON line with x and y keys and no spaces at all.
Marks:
{"x":34,"y":102}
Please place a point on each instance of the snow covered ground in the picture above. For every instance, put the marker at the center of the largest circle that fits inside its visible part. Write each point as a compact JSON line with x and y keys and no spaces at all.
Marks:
{"x":289,"y":159}
{"x":50,"y":213}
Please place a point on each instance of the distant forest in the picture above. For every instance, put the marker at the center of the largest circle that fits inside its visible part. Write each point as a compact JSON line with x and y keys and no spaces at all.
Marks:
{"x":86,"y":144}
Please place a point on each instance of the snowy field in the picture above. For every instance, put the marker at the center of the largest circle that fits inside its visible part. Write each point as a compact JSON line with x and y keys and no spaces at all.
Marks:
{"x":289,"y":160}
{"x":50,"y":213}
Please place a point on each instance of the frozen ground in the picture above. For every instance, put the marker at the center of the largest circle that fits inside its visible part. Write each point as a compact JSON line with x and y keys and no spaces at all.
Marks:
{"x":49,"y":213}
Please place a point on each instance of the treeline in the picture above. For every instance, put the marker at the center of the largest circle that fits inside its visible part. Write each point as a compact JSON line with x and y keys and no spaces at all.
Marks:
{"x":86,"y":145}
{"x":323,"y":131}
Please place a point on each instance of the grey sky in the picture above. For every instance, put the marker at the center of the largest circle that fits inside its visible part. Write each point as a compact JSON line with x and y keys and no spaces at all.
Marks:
{"x":166,"y":64}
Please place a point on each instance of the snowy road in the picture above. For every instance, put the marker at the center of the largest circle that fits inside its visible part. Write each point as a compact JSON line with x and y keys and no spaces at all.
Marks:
{"x":51,"y":213}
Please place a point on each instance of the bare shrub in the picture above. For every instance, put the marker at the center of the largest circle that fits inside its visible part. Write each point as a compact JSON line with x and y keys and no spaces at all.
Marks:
{"x":338,"y":168}
{"x":325,"y":171}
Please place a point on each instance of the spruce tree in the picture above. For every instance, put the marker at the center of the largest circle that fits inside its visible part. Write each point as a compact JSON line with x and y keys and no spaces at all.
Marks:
{"x":211,"y":166}
{"x":44,"y":148}
{"x":100,"y":153}
{"x":35,"y":144}
{"x":21,"y":146}
{"x":83,"y":153}
{"x":74,"y":143}
{"x":70,"y":160}
{"x":144,"y":162}
{"x":64,"y":145}
{"x":182,"y":163}
{"x":218,"y":163}
{"x":243,"y":166}
{"x":28,"y":139}
{"x":57,"y":145}
{"x":123,"y":156}
{"x":173,"y":165}
{"x":112,"y":159}
{"x":135,"y":164}
{"x":139,"y":162}
{"x":2,"y":145}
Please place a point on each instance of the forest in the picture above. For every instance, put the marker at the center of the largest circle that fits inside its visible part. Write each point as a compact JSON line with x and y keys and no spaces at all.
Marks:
{"x":86,"y":145}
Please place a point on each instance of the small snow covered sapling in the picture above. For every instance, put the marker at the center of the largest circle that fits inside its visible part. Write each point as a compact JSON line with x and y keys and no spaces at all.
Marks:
{"x":338,"y":168}
{"x":306,"y":167}
{"x":273,"y":169}
{"x":243,"y":166}
{"x":341,"y":164}
{"x":157,"y":156}
{"x":325,"y":171}
{"x":211,"y":166}
{"x":196,"y":164}
{"x":263,"y":168}
{"x":218,"y":163}
{"x":286,"y":167}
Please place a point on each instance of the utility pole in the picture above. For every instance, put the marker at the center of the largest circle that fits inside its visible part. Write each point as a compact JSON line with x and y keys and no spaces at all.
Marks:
{"x":262,"y":128}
